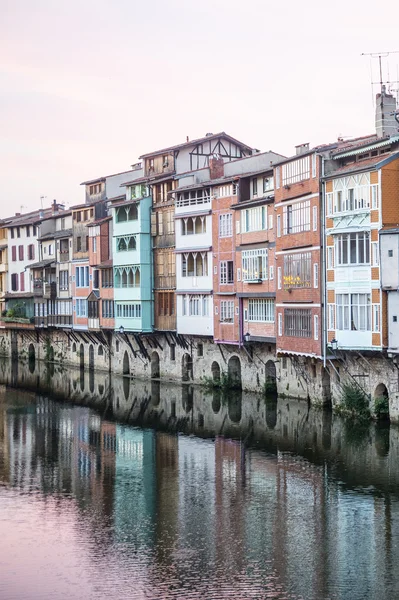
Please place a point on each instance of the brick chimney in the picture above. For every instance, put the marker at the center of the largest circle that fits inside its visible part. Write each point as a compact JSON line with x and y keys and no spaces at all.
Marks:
{"x":385,"y":108}
{"x":216,"y":167}
{"x":54,"y":207}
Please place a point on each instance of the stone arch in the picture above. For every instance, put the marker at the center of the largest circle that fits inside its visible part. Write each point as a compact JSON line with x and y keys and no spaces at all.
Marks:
{"x":126,"y":364}
{"x":381,"y":402}
{"x":271,"y":378}
{"x":91,"y":357}
{"x":326,"y":388}
{"x":186,"y":367}
{"x":234,"y":372}
{"x":31,"y":353}
{"x":82,"y":356}
{"x":100,"y":351}
{"x":155,"y":373}
{"x":215,"y":369}
{"x":234,"y":406}
{"x":74,"y":347}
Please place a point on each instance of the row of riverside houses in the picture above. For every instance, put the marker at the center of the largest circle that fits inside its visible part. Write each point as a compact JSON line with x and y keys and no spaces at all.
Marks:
{"x":253,"y":263}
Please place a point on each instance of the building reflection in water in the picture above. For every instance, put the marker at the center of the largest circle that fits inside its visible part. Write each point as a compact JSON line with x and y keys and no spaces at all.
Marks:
{"x":288,"y":515}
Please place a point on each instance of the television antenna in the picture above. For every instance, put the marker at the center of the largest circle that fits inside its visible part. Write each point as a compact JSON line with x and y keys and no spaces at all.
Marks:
{"x":380,"y":56}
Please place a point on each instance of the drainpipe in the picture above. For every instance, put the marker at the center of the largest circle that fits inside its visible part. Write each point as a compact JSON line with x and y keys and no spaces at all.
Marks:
{"x":323,"y":277}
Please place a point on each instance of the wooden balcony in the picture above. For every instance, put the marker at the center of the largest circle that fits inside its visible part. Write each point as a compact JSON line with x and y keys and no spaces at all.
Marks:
{"x":54,"y":321}
{"x":43,"y":289}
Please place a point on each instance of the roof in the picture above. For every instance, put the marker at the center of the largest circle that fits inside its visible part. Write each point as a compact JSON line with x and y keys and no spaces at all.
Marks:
{"x":104,"y":177}
{"x":99,"y":221}
{"x":29,"y":218}
{"x":367,"y":164}
{"x":106,"y":264}
{"x":197,"y":141}
{"x":10,"y":295}
{"x":125,"y":202}
{"x":42,"y":264}
{"x":120,"y":197}
{"x":84,"y":205}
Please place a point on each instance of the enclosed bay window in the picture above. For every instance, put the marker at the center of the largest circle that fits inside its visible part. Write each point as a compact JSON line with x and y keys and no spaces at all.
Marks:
{"x":297,"y":270}
{"x":261,"y":310}
{"x":254,"y":264}
{"x":194,"y":197}
{"x":298,"y":322}
{"x":195,"y":305}
{"x":127,"y":276}
{"x":125,"y":243}
{"x":296,"y":217}
{"x":352,"y":248}
{"x":297,"y":170}
{"x":353,"y":312}
{"x":226,"y":272}
{"x":226,"y":225}
{"x":254,"y":219}
{"x":227,"y":311}
{"x":193,"y":225}
{"x":127,"y":213}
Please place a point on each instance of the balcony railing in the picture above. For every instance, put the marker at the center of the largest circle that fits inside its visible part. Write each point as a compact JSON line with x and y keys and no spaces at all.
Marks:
{"x":64,"y":256}
{"x":54,"y":321}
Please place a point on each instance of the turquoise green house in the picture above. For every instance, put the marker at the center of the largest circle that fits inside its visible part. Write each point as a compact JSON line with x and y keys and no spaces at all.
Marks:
{"x":132,"y":260}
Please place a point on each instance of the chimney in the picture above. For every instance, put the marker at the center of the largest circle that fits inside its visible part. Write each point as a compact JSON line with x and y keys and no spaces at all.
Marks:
{"x":385,"y":108}
{"x":216,"y":167}
{"x":301,"y":149}
{"x":17,"y":214}
{"x":54,"y":207}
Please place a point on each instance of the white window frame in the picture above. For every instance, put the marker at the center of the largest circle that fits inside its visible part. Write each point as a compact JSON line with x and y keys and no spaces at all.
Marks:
{"x":280,"y":324}
{"x":375,"y":254}
{"x":331,"y":308}
{"x":330,"y":257}
{"x":279,"y":278}
{"x":376,"y":318}
{"x":278,"y":225}
{"x":316,"y":327}
{"x":315,"y":218}
{"x":254,"y":264}
{"x":315,"y":275}
{"x":261,"y":310}
{"x":227,"y":311}
{"x":226,"y":225}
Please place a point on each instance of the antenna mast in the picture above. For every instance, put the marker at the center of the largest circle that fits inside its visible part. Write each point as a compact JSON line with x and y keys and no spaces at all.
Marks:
{"x":380,"y":56}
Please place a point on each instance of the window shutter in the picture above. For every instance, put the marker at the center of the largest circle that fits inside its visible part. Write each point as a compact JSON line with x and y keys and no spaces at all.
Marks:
{"x":153,"y":224}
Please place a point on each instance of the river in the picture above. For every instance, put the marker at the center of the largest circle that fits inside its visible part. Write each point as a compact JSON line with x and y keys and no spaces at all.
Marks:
{"x":117,"y":488}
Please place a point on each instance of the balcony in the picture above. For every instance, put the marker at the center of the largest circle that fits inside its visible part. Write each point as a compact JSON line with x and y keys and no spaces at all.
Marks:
{"x":54,"y":321}
{"x":43,"y":289}
{"x":64,"y":256}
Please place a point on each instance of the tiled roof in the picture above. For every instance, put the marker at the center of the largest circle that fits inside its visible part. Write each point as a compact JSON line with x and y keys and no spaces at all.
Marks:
{"x":197,"y":141}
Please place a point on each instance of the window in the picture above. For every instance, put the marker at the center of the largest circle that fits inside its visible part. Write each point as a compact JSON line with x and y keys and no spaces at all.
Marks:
{"x":227,"y":190}
{"x":128,"y":310}
{"x":195,"y":305}
{"x":13,"y":253}
{"x":94,"y":244}
{"x":31,"y":252}
{"x":376,"y":318}
{"x":280,"y":324}
{"x":316,"y":327}
{"x":253,"y":219}
{"x":271,"y":272}
{"x":78,"y":244}
{"x":63,"y":280}
{"x":297,"y":270}
{"x":93,"y":309}
{"x":270,"y":221}
{"x":18,"y":232}
{"x":296,"y":217}
{"x":279,"y":282}
{"x":374,"y":196}
{"x":352,"y":248}
{"x":297,"y":170}
{"x":226,"y":272}
{"x":277,"y":175}
{"x":261,"y":310}
{"x":315,"y":275}
{"x":329,"y":203}
{"x":51,"y":249}
{"x":82,"y":276}
{"x":227,"y":311}
{"x":107,"y":278}
{"x":268,"y":184}
{"x":12,"y":232}
{"x":331,"y":316}
{"x":108,"y":309}
{"x":21,"y":252}
{"x":278,"y":225}
{"x":226,"y":225}
{"x":254,"y":264}
{"x":14,"y":282}
{"x":22,"y":282}
{"x":127,"y":276}
{"x":353,"y":312}
{"x":314,"y":165}
{"x":78,"y":216}
{"x":81,"y":307}
{"x":352,"y":193}
{"x":34,"y":230}
{"x":195,"y":264}
{"x":375,"y":255}
{"x":173,"y":352}
{"x":27,"y":231}
{"x":96,"y":279}
{"x":255,"y":186}
{"x":166,"y":304}
{"x":200,"y":349}
{"x":126,"y":243}
{"x":193,"y":225}
{"x":330,"y":255}
{"x":127,"y":213}
{"x":194,"y":197}
{"x":315,"y":218}
{"x":297,"y":322}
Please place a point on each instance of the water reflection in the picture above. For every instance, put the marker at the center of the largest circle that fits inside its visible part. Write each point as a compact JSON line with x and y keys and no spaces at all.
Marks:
{"x":309,"y":510}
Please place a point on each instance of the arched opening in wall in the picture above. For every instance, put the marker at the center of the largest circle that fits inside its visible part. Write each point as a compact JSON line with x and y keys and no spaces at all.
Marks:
{"x":216,"y":400}
{"x":186,"y":367}
{"x":31,"y":352}
{"x":271,"y":378}
{"x":100,"y":350}
{"x":100,"y":389}
{"x":82,"y":356}
{"x":50,"y":354}
{"x":155,"y":365}
{"x":271,"y":412}
{"x":381,"y":402}
{"x":126,"y":387}
{"x":215,"y":369}
{"x":235,"y":405}
{"x":155,"y":393}
{"x":74,"y":347}
{"x":91,"y":357}
{"x":187,"y":397}
{"x":234,"y":372}
{"x":126,"y":364}
{"x":326,"y":388}
{"x":82,"y":380}
{"x":91,"y":380}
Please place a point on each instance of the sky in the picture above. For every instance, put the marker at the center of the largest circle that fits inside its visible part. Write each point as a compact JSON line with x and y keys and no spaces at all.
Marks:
{"x":88,"y":86}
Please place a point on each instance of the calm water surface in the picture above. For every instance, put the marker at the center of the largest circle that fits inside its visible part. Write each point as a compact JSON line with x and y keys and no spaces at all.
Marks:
{"x":111,"y":488}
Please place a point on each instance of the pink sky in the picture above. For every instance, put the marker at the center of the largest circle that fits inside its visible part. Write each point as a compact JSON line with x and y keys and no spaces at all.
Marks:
{"x":86,"y":87}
